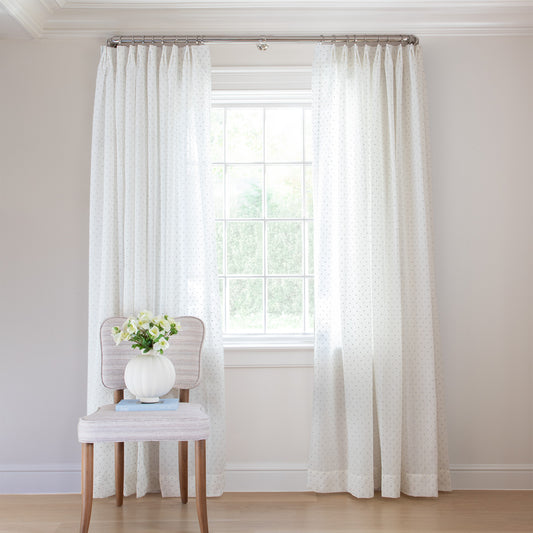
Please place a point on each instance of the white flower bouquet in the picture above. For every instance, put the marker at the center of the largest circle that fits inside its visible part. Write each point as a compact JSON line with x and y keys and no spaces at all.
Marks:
{"x":147,"y":332}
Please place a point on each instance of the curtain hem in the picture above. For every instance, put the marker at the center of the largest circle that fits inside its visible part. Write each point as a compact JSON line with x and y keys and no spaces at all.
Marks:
{"x":215,"y":487}
{"x":392,"y":485}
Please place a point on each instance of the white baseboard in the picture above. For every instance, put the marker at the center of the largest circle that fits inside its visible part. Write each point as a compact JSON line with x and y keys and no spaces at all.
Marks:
{"x":266,"y":478}
{"x":293,"y":478}
{"x":492,"y":477}
{"x":40,"y":479}
{"x":245,"y":477}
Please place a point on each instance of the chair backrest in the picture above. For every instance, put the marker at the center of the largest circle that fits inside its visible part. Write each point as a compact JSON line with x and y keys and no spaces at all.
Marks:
{"x":184,"y":351}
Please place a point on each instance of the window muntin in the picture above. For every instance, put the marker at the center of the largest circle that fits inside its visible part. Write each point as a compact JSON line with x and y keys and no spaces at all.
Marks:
{"x":264,"y":216}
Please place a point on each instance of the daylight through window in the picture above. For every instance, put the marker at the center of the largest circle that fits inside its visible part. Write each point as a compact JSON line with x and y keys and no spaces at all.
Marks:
{"x":264,"y":215}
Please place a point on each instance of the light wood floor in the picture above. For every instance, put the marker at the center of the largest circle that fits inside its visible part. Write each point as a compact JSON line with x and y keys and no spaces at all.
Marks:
{"x":480,"y":511}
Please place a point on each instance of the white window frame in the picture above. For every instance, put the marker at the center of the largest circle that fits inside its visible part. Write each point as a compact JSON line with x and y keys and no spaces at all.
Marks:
{"x":270,"y":350}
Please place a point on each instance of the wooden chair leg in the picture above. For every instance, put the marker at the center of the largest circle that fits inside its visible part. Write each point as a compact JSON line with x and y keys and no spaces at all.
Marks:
{"x":119,"y":473}
{"x":201,"y":500}
{"x":183,"y":448}
{"x":87,"y":453}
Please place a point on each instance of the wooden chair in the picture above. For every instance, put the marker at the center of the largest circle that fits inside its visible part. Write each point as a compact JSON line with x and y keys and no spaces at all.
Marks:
{"x":188,"y":423}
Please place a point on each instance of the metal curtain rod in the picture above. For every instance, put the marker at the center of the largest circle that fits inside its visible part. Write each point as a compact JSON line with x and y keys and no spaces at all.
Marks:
{"x":262,"y":41}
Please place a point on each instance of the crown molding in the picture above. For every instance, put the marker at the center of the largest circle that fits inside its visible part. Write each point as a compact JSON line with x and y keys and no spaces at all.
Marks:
{"x":330,"y":4}
{"x":100,"y":19}
{"x":31,"y":14}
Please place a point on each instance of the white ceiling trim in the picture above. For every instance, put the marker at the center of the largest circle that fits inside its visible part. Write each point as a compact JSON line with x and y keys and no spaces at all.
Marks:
{"x":101,"y":19}
{"x":31,"y":14}
{"x":355,"y":4}
{"x":51,"y":5}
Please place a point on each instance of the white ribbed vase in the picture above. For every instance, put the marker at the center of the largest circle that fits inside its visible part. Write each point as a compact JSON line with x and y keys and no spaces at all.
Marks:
{"x":148,"y":376}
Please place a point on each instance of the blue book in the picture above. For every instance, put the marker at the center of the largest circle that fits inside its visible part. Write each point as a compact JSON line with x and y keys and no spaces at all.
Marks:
{"x":164,"y":404}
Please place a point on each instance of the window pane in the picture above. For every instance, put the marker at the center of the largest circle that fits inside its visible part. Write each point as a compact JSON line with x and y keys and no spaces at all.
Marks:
{"x":285,"y":305}
{"x":309,"y":248}
{"x":245,"y":305}
{"x":244,"y":135}
{"x":284,"y":191}
{"x":217,"y":172}
{"x":308,"y":191}
{"x":245,"y":191}
{"x":220,"y":247}
{"x":244,"y":248}
{"x":283,"y":134}
{"x":308,"y":135}
{"x":284,"y":252}
{"x":262,"y":188}
{"x":217,"y":134}
{"x":310,"y":306}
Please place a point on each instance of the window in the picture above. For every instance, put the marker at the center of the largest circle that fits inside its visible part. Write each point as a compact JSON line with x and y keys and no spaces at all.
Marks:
{"x":264,"y":215}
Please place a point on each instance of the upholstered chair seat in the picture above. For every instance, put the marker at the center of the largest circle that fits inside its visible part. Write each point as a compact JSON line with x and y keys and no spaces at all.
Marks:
{"x":188,"y":423}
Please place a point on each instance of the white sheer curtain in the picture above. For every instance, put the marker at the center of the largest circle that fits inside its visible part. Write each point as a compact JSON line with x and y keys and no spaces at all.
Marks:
{"x":152,"y":238}
{"x":378,"y":414}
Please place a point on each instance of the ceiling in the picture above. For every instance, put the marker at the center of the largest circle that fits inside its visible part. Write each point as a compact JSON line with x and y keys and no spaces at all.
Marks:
{"x":29,"y":19}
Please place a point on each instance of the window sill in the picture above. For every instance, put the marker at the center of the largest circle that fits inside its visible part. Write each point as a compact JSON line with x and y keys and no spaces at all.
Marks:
{"x":268,"y":351}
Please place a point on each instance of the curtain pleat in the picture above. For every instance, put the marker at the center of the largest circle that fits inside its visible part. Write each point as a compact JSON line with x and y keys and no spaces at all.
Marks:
{"x":378,"y":418}
{"x":152,"y":238}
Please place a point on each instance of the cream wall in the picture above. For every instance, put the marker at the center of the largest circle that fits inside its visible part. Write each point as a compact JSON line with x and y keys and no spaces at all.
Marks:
{"x":481,"y":110}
